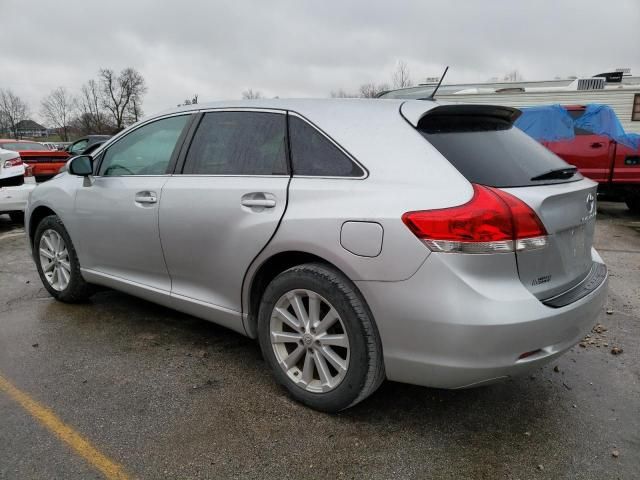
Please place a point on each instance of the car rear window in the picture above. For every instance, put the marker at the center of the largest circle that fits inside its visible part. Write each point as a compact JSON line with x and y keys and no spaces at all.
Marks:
{"x":491,"y":151}
{"x":18,"y":146}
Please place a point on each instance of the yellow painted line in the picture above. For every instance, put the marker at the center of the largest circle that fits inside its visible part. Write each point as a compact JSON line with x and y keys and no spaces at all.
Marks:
{"x":110,"y":469}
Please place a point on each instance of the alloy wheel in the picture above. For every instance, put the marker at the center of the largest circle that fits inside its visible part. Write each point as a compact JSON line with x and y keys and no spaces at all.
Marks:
{"x":309,"y":340}
{"x":54,"y":259}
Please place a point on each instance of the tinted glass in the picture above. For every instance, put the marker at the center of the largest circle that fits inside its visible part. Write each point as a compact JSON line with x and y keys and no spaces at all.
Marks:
{"x":239,"y":143}
{"x":78,"y":147}
{"x":313,"y":154}
{"x":18,"y":146}
{"x":575,"y":115}
{"x":491,"y":152}
{"x":145,"y":151}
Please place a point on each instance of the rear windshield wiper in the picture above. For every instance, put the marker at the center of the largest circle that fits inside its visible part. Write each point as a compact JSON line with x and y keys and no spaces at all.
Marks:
{"x":557,"y":174}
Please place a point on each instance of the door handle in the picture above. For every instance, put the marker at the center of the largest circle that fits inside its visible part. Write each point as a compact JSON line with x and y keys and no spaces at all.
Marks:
{"x":258,"y":202}
{"x":596,"y":145}
{"x":146,"y":197}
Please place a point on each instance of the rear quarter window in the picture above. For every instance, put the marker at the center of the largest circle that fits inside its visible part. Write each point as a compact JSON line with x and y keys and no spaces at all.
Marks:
{"x":491,"y":151}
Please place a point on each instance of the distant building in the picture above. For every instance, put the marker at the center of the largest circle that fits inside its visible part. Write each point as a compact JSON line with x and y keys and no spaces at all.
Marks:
{"x":29,"y":128}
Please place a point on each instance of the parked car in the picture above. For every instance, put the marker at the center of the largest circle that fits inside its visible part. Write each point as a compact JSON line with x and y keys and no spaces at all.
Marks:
{"x":357,"y":240}
{"x":13,"y":189}
{"x":50,"y":145}
{"x":86,"y":145}
{"x":598,"y":156}
{"x":11,"y":168}
{"x":45,"y":163}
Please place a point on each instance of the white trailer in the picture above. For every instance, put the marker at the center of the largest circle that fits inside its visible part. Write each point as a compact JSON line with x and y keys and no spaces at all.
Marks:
{"x":622,"y":96}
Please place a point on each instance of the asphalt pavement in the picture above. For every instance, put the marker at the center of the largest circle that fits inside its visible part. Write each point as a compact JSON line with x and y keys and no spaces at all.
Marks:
{"x":160,"y":394}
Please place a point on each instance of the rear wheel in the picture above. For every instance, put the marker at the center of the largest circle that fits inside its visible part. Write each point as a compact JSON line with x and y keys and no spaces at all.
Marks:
{"x":319,"y":339}
{"x":57,"y":262}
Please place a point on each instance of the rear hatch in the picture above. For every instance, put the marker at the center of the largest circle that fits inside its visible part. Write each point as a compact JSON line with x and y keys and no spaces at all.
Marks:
{"x":482,"y":143}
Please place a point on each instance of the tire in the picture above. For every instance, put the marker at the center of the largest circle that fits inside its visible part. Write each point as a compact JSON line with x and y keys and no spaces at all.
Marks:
{"x":633,"y":202}
{"x":361,"y":360}
{"x":17,"y":217}
{"x":75,"y":289}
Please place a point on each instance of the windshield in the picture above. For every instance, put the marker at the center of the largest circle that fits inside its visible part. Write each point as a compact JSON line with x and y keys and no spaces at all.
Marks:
{"x":19,"y":146}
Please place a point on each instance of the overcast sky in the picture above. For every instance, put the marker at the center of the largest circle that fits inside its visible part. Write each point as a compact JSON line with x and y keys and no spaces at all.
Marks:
{"x":298,"y":48}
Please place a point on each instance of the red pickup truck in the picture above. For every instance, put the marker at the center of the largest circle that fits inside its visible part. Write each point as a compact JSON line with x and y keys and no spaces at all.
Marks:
{"x":616,"y":167}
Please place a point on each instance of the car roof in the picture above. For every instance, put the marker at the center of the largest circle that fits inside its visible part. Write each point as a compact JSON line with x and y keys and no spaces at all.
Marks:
{"x":308,"y":107}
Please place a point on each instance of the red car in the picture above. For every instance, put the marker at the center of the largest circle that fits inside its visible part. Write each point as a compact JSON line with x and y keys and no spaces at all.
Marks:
{"x":44,"y":162}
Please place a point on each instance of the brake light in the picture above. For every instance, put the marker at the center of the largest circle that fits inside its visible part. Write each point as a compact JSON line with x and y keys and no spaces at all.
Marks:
{"x":493,"y":221}
{"x":14,"y":162}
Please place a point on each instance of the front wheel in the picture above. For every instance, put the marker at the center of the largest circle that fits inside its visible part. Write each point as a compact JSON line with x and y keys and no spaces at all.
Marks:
{"x":57,"y":262}
{"x":319,"y":338}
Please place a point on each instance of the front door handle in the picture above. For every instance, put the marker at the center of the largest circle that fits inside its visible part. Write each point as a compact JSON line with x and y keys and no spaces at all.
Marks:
{"x":146,"y":197}
{"x":597,"y":145}
{"x":259,"y":202}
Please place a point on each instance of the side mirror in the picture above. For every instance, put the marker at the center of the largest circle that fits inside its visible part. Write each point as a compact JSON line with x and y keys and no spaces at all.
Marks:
{"x":81,"y":165}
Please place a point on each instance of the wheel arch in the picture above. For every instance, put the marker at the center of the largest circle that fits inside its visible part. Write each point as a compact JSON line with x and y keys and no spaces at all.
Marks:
{"x":36,"y":217}
{"x":267,"y":271}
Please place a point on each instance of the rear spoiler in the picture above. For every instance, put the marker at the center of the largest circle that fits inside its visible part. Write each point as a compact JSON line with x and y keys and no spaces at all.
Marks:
{"x":414,"y":111}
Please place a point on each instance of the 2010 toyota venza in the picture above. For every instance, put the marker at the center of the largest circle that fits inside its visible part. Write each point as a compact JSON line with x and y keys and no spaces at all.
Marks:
{"x":357,"y":240}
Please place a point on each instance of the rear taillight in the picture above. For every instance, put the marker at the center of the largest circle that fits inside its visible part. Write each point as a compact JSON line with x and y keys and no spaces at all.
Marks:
{"x":493,"y":221}
{"x":14,"y":162}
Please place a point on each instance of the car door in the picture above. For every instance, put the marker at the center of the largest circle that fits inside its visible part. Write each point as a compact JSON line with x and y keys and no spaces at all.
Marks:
{"x":224,"y":206}
{"x":591,"y":153}
{"x":118,"y":213}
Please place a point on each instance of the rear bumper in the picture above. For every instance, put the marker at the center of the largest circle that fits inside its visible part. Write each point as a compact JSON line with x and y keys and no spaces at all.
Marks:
{"x":46,"y":169}
{"x":456,"y":325}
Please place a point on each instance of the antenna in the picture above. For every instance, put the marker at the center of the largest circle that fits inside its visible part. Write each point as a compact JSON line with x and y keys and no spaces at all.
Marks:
{"x":433,"y":94}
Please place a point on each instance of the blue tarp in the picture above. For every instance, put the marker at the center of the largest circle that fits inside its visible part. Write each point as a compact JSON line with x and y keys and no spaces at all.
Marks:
{"x":552,"y":123}
{"x":546,"y":123}
{"x":602,"y":120}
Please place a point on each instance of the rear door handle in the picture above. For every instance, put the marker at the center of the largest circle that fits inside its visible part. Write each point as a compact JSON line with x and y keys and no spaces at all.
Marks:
{"x":146,"y":197}
{"x":258,"y":200}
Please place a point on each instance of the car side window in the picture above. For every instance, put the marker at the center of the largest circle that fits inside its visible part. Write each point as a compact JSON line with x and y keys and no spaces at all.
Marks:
{"x":145,"y":151}
{"x":313,"y":154}
{"x":78,"y":147}
{"x":239,"y":143}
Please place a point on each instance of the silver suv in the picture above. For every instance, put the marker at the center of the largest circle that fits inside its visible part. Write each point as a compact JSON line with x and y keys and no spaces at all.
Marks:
{"x":357,"y":240}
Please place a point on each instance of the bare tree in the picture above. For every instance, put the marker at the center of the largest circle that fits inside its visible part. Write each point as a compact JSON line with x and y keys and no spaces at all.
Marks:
{"x":341,"y":93}
{"x":122,"y":94}
{"x":13,"y":109}
{"x":513,"y":76}
{"x":371,"y":90}
{"x":401,"y":76}
{"x":57,"y":108}
{"x":251,"y":94}
{"x":92,"y":118}
{"x":192,"y":101}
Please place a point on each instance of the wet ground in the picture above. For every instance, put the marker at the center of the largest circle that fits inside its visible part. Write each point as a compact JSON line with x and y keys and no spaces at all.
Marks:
{"x":165,"y":395}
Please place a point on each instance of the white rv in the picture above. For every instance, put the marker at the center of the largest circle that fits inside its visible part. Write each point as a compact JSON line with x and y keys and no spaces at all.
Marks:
{"x":620,"y":90}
